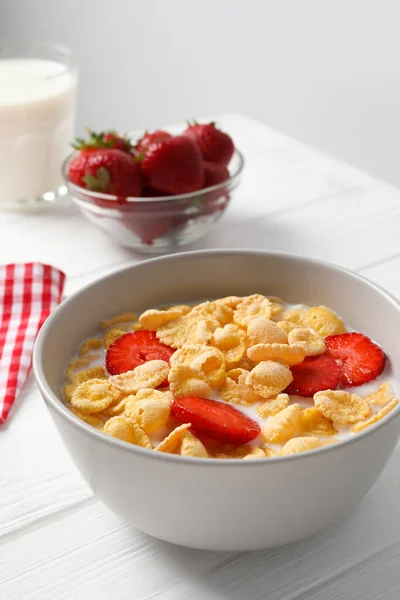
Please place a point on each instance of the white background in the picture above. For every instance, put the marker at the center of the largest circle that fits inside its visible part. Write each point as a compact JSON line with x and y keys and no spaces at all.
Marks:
{"x":325,"y":72}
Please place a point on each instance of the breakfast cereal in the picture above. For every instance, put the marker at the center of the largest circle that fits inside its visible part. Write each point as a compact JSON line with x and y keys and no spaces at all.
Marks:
{"x":232,"y":378}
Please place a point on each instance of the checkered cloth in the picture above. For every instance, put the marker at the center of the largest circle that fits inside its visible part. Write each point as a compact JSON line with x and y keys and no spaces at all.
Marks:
{"x":28,"y":293}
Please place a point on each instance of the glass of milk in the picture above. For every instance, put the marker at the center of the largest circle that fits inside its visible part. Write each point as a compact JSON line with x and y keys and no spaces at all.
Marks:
{"x":37,"y":111}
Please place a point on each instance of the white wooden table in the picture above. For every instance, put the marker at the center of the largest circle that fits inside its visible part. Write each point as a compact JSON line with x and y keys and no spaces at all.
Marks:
{"x":58,"y":542}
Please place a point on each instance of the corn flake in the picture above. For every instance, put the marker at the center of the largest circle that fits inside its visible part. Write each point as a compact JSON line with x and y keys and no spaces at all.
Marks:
{"x":117,"y":319}
{"x":273,"y":406}
{"x":187,"y":381}
{"x":90,"y":344}
{"x":290,"y":355}
{"x":309,"y":340}
{"x":283,"y":426}
{"x":117,"y":407}
{"x":270,"y":452}
{"x":264,"y":331}
{"x":92,"y":373}
{"x":210,"y":361}
{"x":68,"y":390}
{"x":239,"y":392}
{"x":229,"y":451}
{"x":295,"y":315}
{"x":269,"y":378}
{"x":92,"y":396}
{"x":300,"y":444}
{"x":151,"y":410}
{"x":287,"y":326}
{"x":76,"y":364}
{"x":245,"y":364}
{"x":127,"y":430}
{"x":154,"y":319}
{"x":172,"y":443}
{"x":94,"y":420}
{"x":192,"y":446}
{"x":382,"y":396}
{"x":236,"y":373}
{"x":250,"y":308}
{"x":254,"y":453}
{"x":313,"y":422}
{"x":229,"y":301}
{"x":377,"y":417}
{"x":184,"y":308}
{"x":324,"y":322}
{"x":231,"y":341}
{"x":148,"y":375}
{"x":216,"y":311}
{"x":342,"y":407}
{"x":187,"y":331}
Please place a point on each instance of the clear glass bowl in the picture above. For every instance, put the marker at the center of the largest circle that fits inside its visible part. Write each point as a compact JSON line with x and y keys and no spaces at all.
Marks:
{"x":161,"y":223}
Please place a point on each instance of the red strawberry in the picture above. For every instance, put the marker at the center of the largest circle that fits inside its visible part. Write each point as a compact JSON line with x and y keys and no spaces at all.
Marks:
{"x":215,"y":420}
{"x":173,"y":165}
{"x":214,"y":174}
{"x":149,"y":138}
{"x":106,"y":170}
{"x":215,"y":145}
{"x":314,"y":374}
{"x":359,"y":358}
{"x":134,"y":349}
{"x":107,"y":139}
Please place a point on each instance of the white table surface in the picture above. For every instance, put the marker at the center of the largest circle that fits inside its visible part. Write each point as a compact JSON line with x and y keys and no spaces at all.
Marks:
{"x":58,"y":542}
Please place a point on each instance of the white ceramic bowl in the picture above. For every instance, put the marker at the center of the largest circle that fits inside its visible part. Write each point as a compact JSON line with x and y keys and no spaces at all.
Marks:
{"x":222,"y":504}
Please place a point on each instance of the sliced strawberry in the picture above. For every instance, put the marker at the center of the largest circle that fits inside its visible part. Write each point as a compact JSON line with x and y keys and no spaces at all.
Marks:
{"x":215,"y":420}
{"x":360,"y":359}
{"x":134,"y":349}
{"x":314,"y":374}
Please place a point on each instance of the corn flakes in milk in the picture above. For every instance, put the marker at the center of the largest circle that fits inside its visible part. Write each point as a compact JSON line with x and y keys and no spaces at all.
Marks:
{"x":240,"y":351}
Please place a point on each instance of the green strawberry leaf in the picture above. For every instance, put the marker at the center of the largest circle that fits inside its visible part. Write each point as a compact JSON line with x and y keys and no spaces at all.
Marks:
{"x":99,"y":183}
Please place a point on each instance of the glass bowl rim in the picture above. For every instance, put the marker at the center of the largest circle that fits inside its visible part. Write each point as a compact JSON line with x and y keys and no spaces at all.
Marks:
{"x":88,"y":195}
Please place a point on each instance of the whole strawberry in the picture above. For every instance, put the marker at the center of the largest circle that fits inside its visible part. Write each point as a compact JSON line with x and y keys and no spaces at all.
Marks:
{"x":104,"y":139}
{"x":173,"y":165}
{"x":215,"y":145}
{"x":149,"y":138}
{"x":106,"y":170}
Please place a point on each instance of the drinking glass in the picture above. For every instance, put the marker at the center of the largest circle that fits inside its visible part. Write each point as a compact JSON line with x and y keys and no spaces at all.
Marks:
{"x":38,"y":85}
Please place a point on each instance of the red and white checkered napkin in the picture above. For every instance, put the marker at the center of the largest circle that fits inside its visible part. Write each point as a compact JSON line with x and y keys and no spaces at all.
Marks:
{"x":28,"y":294}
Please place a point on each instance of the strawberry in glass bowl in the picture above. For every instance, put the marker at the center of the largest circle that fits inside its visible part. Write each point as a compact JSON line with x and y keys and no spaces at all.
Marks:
{"x":159,"y":192}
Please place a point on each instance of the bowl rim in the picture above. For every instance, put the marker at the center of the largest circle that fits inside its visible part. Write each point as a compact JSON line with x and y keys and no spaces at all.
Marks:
{"x":58,"y":405}
{"x":87,"y":195}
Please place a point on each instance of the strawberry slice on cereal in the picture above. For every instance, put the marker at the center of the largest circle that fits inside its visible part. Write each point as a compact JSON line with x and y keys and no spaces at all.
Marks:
{"x":314,"y":374}
{"x":360,"y":359}
{"x":215,"y":420}
{"x":134,"y":349}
